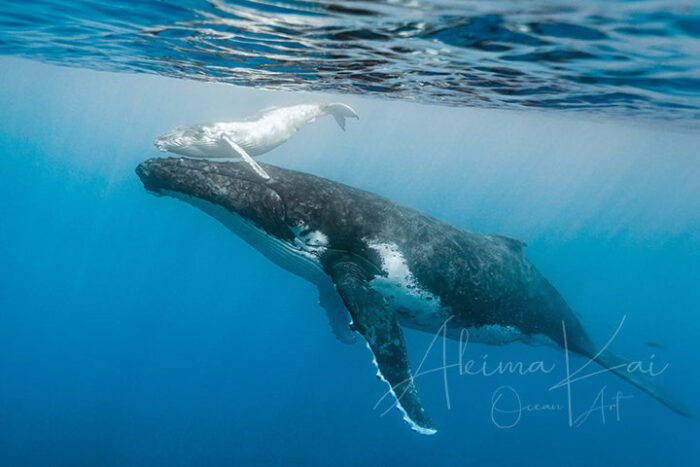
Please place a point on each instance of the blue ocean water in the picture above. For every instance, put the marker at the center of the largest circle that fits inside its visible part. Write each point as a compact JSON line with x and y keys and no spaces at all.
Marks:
{"x":136,"y":330}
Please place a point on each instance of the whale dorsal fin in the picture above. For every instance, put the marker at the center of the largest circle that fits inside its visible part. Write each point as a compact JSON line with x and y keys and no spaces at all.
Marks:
{"x":378,"y":324}
{"x":512,"y":243}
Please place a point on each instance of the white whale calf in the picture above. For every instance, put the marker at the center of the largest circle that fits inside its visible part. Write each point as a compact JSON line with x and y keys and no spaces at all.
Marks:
{"x":249,"y":136}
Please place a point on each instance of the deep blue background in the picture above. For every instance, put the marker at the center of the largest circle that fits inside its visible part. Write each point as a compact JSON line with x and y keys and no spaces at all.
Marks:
{"x":136,"y":330}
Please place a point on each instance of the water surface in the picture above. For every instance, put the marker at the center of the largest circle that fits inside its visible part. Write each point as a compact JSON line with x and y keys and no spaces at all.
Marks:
{"x":638,"y":58}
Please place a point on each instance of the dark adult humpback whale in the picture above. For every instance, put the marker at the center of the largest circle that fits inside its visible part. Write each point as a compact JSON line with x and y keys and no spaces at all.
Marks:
{"x":390,"y":264}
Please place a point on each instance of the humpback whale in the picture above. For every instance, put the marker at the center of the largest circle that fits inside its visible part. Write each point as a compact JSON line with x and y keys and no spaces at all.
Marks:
{"x":249,"y":136}
{"x":389,"y":265}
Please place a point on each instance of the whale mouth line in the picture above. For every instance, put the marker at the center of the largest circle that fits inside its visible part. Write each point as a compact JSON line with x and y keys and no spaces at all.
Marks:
{"x":143,"y":168}
{"x":154,"y":183}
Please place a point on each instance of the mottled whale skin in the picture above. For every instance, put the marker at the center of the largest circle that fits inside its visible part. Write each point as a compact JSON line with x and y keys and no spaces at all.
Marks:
{"x":391,"y":266}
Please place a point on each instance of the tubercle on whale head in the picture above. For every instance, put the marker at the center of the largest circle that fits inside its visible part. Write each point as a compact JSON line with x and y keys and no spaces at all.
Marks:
{"x":230,"y":185}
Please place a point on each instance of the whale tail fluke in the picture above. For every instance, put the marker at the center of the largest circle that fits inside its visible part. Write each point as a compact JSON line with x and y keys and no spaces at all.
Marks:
{"x":340,"y":112}
{"x":644,"y":381}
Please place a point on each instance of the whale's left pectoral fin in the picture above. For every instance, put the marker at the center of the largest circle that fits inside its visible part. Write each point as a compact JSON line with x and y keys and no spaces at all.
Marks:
{"x":378,"y":324}
{"x":246,"y":157}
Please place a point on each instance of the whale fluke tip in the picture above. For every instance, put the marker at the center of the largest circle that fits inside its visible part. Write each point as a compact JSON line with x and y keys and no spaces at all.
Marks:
{"x":340,"y":112}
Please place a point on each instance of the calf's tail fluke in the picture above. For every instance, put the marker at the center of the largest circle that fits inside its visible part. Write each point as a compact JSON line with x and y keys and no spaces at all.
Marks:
{"x":644,"y":381}
{"x":340,"y":112}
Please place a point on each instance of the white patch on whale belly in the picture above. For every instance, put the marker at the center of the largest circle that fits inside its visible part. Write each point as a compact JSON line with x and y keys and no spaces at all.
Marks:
{"x":416,"y":305}
{"x":420,"y":309}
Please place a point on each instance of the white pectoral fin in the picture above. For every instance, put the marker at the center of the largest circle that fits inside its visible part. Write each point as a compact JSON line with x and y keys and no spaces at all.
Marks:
{"x":246,"y":157}
{"x":379,"y":326}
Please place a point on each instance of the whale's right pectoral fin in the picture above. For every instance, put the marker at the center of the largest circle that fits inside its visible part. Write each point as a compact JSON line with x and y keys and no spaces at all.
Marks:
{"x":246,"y":157}
{"x":378,"y":324}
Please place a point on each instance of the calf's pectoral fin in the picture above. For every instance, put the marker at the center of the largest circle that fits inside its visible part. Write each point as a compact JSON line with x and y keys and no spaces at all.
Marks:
{"x":378,"y":324}
{"x":246,"y":157}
